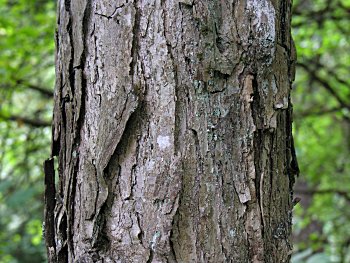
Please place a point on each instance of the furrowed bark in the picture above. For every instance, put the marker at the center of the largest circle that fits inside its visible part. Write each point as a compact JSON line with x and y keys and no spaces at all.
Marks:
{"x":172,"y":126}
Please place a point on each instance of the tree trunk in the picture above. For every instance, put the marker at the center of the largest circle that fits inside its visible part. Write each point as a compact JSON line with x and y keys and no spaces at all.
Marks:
{"x":172,"y":127}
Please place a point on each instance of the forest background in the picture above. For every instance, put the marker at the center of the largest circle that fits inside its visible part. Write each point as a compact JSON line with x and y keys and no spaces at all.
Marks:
{"x":321,"y":97}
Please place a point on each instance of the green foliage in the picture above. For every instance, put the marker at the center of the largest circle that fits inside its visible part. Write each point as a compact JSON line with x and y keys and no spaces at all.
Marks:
{"x":27,"y":75}
{"x":322,"y":128}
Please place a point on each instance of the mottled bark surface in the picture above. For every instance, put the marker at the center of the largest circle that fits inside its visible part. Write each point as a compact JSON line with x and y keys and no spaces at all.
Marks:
{"x":172,"y":127}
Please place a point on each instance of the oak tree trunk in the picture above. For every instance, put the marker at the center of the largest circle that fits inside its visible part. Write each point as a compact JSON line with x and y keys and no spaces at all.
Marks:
{"x":172,"y":127}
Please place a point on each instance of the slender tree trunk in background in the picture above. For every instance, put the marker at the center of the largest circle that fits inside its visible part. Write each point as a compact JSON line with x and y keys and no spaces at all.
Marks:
{"x":172,"y":127}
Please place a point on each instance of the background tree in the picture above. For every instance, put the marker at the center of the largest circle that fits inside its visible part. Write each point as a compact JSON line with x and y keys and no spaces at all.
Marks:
{"x":172,"y":127}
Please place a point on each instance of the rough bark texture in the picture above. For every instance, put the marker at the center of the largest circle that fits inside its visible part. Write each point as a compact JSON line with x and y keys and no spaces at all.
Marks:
{"x":172,"y":127}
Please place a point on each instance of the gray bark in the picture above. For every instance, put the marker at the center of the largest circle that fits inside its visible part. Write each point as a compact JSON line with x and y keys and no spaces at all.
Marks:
{"x":172,"y":127}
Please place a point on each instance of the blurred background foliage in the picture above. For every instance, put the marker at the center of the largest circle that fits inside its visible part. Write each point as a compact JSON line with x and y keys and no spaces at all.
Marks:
{"x":26,"y":90}
{"x":321,"y":98}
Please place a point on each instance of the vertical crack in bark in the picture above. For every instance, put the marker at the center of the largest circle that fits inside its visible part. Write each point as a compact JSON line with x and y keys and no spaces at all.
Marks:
{"x":57,"y":118}
{"x":258,"y":149}
{"x":135,"y":39}
{"x":292,"y":163}
{"x":271,"y":168}
{"x":71,"y":204}
{"x":140,"y":235}
{"x":67,"y":5}
{"x":50,"y":203}
{"x":101,"y":241}
{"x":171,"y":242}
{"x":151,"y":255}
{"x":86,"y":24}
{"x":62,"y":253}
{"x":71,"y":69}
{"x":254,"y":220}
{"x":259,"y":180}
{"x":283,"y":25}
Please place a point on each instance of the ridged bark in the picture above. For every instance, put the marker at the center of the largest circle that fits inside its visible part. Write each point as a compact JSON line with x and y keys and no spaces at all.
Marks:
{"x":172,"y":127}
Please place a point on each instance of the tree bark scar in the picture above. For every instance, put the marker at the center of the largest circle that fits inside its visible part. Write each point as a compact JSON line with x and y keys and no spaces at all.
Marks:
{"x":258,"y":142}
{"x":50,"y":203}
